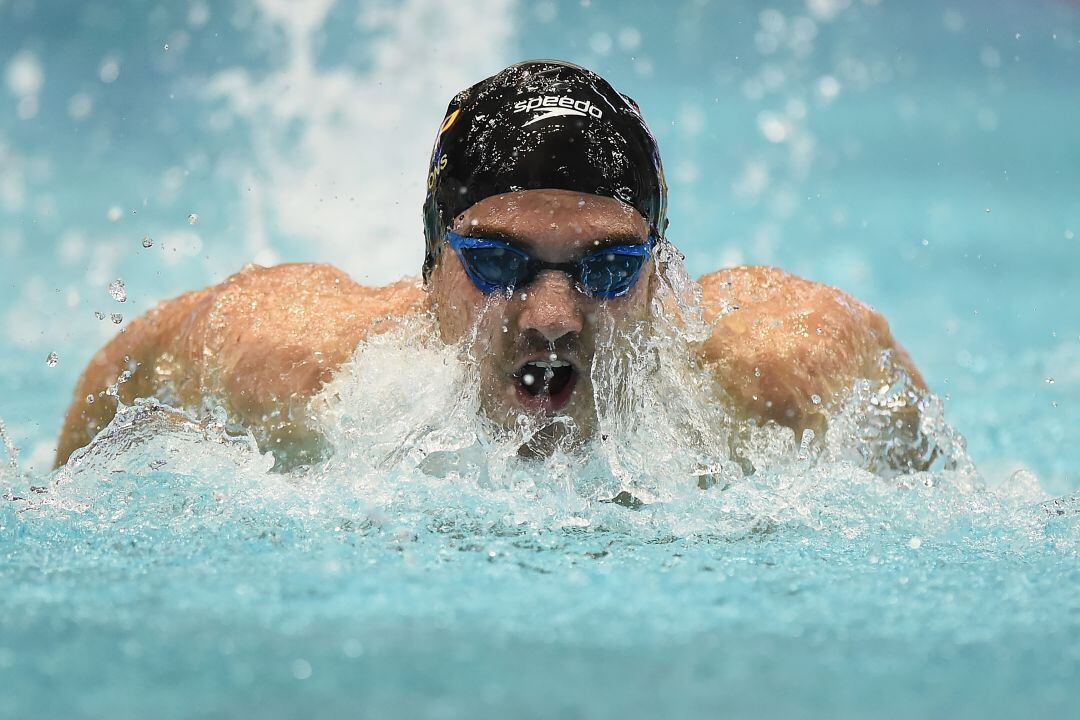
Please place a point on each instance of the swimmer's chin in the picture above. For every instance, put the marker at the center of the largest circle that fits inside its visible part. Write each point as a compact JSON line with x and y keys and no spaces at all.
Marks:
{"x":563,"y":435}
{"x":293,"y":447}
{"x":539,"y":433}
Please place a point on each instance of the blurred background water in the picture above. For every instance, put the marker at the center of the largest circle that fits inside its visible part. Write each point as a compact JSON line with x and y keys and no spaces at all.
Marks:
{"x":921,"y":155}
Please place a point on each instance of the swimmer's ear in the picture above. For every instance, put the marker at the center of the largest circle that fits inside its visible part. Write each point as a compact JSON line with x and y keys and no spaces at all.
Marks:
{"x":428,"y":279}
{"x":431,"y":271}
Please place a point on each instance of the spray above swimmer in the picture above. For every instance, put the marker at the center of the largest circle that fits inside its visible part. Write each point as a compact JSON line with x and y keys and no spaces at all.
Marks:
{"x":117,"y":291}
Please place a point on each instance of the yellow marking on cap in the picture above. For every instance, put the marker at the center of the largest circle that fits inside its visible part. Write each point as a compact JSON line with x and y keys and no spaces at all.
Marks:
{"x":449,"y":121}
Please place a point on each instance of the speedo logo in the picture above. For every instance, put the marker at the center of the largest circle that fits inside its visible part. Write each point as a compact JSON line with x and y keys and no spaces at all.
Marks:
{"x":550,"y":106}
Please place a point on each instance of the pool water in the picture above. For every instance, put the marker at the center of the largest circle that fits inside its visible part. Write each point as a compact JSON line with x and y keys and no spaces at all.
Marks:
{"x":922,"y":156}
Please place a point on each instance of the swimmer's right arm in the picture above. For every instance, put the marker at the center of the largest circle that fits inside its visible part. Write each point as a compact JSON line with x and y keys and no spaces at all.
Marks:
{"x":124,"y":369}
{"x":260,"y":345}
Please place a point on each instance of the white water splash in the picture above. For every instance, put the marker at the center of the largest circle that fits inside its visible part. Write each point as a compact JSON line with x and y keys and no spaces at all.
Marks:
{"x":350,"y":179}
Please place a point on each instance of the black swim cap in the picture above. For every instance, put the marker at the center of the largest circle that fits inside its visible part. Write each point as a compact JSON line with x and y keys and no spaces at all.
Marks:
{"x":535,"y":125}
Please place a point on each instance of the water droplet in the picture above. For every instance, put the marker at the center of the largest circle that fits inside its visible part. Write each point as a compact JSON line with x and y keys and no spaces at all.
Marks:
{"x":1069,"y":235}
{"x":553,"y":357}
{"x":148,"y":242}
{"x":117,"y":318}
{"x":915,"y":543}
{"x":1049,"y":381}
{"x":166,"y":47}
{"x":193,"y":219}
{"x":52,"y":360}
{"x":90,"y":399}
{"x":828,"y":87}
{"x":109,"y":70}
{"x":987,"y":209}
{"x":117,"y":291}
{"x":775,"y":128}
{"x":527,"y":379}
{"x":925,"y":242}
{"x":816,"y":399}
{"x":99,"y":315}
{"x":301,"y":669}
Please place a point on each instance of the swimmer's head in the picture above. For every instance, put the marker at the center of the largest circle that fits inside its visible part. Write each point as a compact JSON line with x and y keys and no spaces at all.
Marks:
{"x":542,"y":124}
{"x":545,"y":208}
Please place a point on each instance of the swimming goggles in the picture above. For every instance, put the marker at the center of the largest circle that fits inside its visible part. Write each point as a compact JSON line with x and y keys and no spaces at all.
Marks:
{"x":494,"y":265}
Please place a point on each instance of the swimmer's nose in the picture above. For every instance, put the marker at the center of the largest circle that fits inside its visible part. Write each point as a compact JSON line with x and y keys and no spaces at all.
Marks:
{"x":550,"y":306}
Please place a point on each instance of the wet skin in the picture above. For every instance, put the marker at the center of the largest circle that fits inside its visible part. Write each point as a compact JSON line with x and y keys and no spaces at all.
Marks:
{"x":263,"y":342}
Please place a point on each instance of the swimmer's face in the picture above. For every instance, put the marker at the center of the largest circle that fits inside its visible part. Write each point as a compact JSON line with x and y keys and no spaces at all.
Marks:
{"x":535,"y":348}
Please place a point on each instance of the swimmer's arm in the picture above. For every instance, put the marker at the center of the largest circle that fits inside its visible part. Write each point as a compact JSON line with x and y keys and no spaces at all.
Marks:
{"x":784,"y":348}
{"x":133,"y":364}
{"x":259,"y":345}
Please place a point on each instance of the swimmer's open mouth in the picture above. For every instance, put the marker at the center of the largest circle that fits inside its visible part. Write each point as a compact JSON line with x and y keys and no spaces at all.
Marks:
{"x":545,"y":384}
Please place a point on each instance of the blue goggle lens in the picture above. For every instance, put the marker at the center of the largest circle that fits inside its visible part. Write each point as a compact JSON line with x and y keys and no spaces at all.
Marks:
{"x":496,"y":267}
{"x":609,"y":274}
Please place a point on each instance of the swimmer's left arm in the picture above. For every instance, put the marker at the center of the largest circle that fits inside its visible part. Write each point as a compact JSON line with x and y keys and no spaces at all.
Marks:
{"x":784,"y":348}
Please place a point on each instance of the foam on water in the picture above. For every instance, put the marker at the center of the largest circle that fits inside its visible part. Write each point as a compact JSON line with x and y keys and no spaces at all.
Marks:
{"x":409,"y":443}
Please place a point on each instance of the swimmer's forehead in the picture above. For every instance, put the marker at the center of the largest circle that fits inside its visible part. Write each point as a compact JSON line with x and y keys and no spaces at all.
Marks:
{"x":534,"y":218}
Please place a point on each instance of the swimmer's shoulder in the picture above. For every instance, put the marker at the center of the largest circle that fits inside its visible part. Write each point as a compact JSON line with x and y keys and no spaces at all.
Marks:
{"x":762,"y":294}
{"x":309,"y":296}
{"x":297,"y":322}
{"x":751,"y":286}
{"x":779,"y":341}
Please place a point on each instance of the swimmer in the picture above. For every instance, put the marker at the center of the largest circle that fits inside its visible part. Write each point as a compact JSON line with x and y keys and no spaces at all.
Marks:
{"x":545,"y":208}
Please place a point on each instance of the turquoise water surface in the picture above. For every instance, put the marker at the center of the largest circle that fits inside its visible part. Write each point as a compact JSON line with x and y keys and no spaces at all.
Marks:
{"x":921,"y":155}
